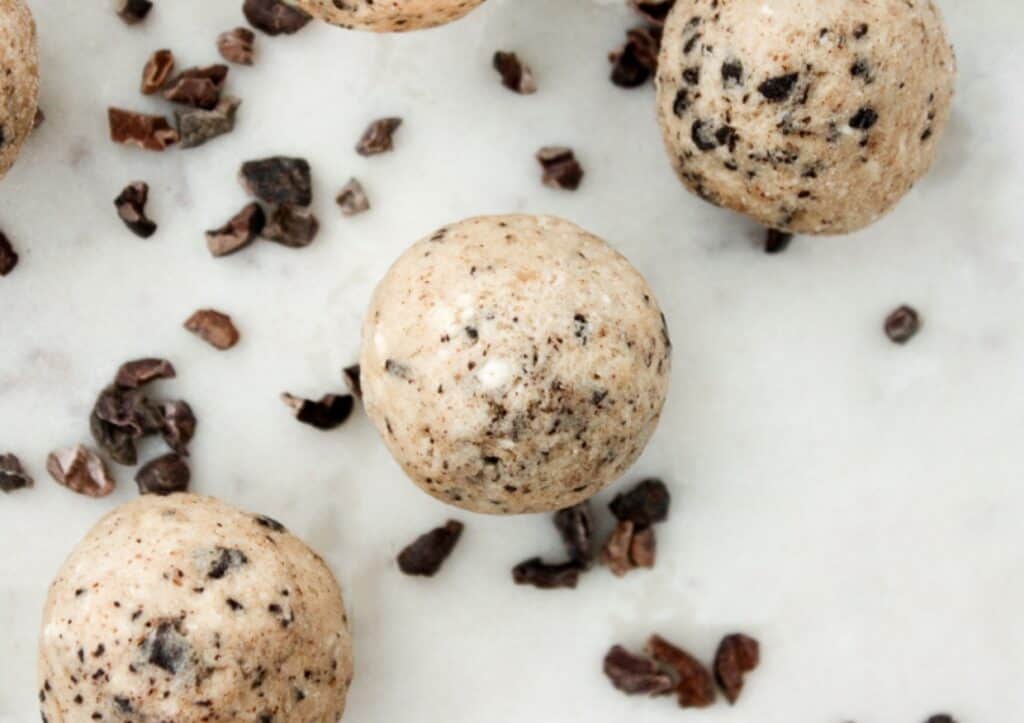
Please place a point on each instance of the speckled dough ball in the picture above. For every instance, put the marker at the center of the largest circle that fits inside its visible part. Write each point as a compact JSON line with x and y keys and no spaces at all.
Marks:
{"x":811,"y":116}
{"x":185,"y":609}
{"x":514,"y":363}
{"x":388,"y":16}
{"x":19,"y":83}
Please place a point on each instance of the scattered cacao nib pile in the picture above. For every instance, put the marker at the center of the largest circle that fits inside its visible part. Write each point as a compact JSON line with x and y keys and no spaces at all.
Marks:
{"x":561,"y":169}
{"x":131,"y":208}
{"x":632,"y":545}
{"x":274,"y":17}
{"x":515,"y":74}
{"x":8,"y":256}
{"x":902,"y":324}
{"x":427,"y":553}
{"x":12,"y":474}
{"x":330,"y":412}
{"x":666,"y":668}
{"x":379,"y":137}
{"x":214,"y":327}
{"x":636,"y":62}
{"x":122,"y":415}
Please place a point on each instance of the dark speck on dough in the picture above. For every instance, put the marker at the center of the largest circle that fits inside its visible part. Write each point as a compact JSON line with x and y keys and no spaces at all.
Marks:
{"x":681,"y":103}
{"x":864,"y":119}
{"x":778,"y":89}
{"x":167,"y":648}
{"x":692,"y":75}
{"x":226,"y":559}
{"x":860,"y":31}
{"x":732,"y":73}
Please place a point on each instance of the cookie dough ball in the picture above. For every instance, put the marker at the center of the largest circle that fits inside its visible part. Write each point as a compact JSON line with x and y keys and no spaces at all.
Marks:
{"x":388,"y":16}
{"x":811,"y":116}
{"x":514,"y":363}
{"x":19,"y":83}
{"x":185,"y":609}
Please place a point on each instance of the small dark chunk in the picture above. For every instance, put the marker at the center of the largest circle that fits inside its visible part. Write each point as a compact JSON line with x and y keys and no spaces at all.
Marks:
{"x":561,"y":169}
{"x":133,"y":11}
{"x":777,"y":89}
{"x":239,"y":232}
{"x":515,"y":75}
{"x":941,"y":718}
{"x":121,"y":416}
{"x":737,"y":655}
{"x":902,"y":324}
{"x":131,"y":208}
{"x":12,"y":475}
{"x":164,"y":475}
{"x":352,"y":378}
{"x":179,"y":425}
{"x":329,"y":413}
{"x":237,"y":46}
{"x":860,"y":31}
{"x":118,"y":442}
{"x":775,"y":241}
{"x":149,"y":132}
{"x":546,"y":577}
{"x":732,"y":73}
{"x":225,"y":559}
{"x":167,"y":648}
{"x":156,"y":71}
{"x":695,"y":687}
{"x":681,"y":103}
{"x":279,"y":180}
{"x":654,"y":11}
{"x":577,"y":528}
{"x":274,"y":17}
{"x":864,"y":119}
{"x":352,"y":198}
{"x":637,"y":61}
{"x":8,"y":256}
{"x":213,"y":327}
{"x":428,"y":552}
{"x":378,"y":137}
{"x":292,"y":227}
{"x":197,"y":126}
{"x":80,"y":470}
{"x":644,"y":505}
{"x":140,"y":372}
{"x":198,"y":87}
{"x":636,"y":674}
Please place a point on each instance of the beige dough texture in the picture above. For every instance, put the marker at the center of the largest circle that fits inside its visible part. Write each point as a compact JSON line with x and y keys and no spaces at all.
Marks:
{"x":388,"y":16}
{"x":514,"y":363}
{"x":811,"y":116}
{"x":19,"y":83}
{"x":186,"y":609}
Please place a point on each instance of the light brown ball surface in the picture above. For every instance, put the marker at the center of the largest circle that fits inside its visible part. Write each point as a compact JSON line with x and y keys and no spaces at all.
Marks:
{"x":388,"y":16}
{"x":185,"y":609}
{"x":514,"y":363}
{"x":19,"y":83}
{"x":811,"y":116}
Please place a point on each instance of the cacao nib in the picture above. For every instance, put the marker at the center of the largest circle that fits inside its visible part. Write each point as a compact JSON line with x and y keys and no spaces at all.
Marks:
{"x":164,"y":475}
{"x":131,"y":209}
{"x":329,"y":413}
{"x":213,"y":327}
{"x":425,"y":555}
{"x":80,"y":470}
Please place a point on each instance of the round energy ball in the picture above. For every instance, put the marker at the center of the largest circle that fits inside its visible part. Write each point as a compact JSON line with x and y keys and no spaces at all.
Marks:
{"x":185,"y":609}
{"x":19,"y":83}
{"x":514,"y":363}
{"x":811,"y":116}
{"x":388,"y":16}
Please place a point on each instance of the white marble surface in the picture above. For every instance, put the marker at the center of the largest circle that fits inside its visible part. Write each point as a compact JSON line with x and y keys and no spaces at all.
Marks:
{"x":855,"y":505}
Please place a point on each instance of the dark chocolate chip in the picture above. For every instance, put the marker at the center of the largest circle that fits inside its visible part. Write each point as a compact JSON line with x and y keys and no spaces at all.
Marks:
{"x":681,"y":103}
{"x":292,"y":227}
{"x":636,"y":674}
{"x":695,"y":687}
{"x":864,"y":119}
{"x":225,"y":560}
{"x":703,"y":135}
{"x":140,"y":372}
{"x":329,"y":413}
{"x":352,"y":198}
{"x":515,"y":75}
{"x":198,"y":87}
{"x":213,"y":327}
{"x":179,"y":425}
{"x":167,"y":648}
{"x":239,"y":232}
{"x":425,"y":555}
{"x":775,"y":241}
{"x":546,"y":577}
{"x":274,"y":17}
{"x":778,"y":89}
{"x":577,"y":528}
{"x":353,"y":380}
{"x":737,"y":655}
{"x":902,"y":324}
{"x":156,"y":71}
{"x":12,"y":475}
{"x":237,"y":46}
{"x":131,"y":209}
{"x":378,"y":137}
{"x":732,"y":73}
{"x":692,"y":76}
{"x":279,"y":180}
{"x":644,"y":505}
{"x":8,"y":256}
{"x":149,"y":132}
{"x":80,"y":470}
{"x":561,"y":169}
{"x":133,"y":11}
{"x":197,"y":126}
{"x":164,"y":475}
